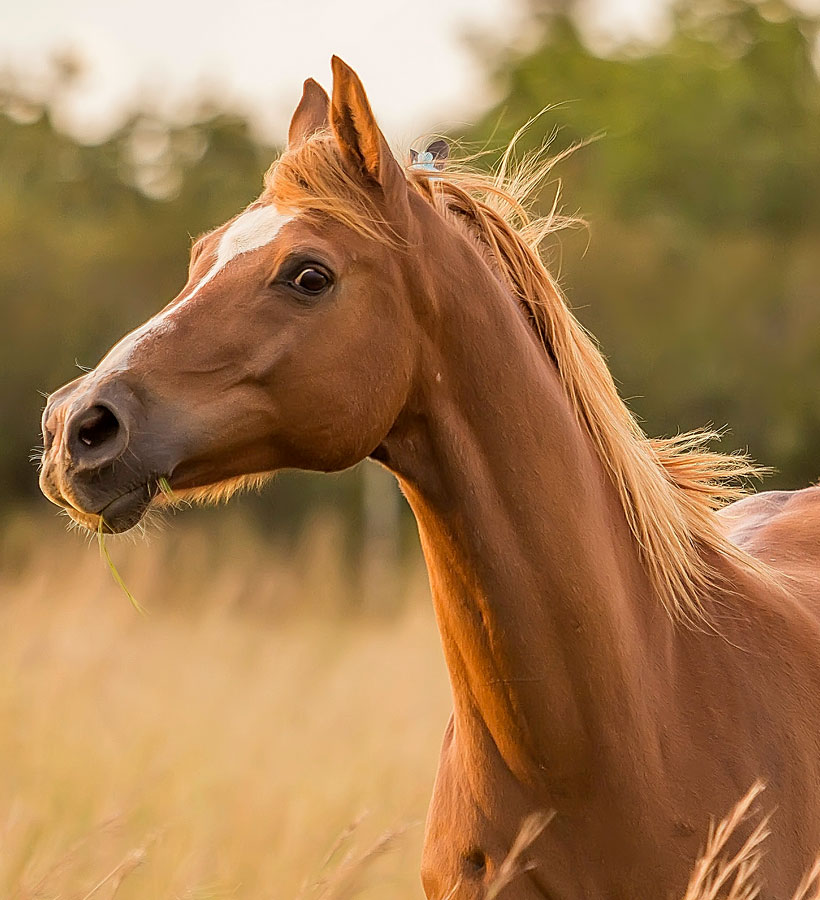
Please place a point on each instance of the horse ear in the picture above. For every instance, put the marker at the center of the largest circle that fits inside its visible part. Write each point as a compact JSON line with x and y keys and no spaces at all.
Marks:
{"x":311,"y":114}
{"x":362,"y":144}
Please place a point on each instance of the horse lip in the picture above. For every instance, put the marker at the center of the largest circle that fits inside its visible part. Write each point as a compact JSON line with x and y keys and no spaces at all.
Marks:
{"x":125,"y":511}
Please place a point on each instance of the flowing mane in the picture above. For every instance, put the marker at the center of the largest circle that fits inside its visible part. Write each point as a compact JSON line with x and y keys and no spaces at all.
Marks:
{"x":670,"y":488}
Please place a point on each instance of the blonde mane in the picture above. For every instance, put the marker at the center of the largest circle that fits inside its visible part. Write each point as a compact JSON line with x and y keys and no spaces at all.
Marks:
{"x":670,"y":488}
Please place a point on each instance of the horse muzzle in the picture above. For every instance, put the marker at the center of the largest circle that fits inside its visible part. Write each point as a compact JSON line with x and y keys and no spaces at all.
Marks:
{"x":100,"y":461}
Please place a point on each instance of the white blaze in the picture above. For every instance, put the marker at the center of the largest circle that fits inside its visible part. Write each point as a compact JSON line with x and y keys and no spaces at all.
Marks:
{"x":250,"y":231}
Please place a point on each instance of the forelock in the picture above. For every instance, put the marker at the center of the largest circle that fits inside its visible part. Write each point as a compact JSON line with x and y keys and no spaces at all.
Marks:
{"x":313,"y":178}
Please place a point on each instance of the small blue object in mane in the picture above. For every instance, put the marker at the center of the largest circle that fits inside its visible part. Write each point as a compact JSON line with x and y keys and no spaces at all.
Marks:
{"x":432,"y":159}
{"x":423,"y":161}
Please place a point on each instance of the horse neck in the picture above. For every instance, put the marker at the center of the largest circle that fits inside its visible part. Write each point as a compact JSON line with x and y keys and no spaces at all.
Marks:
{"x":546,"y":616}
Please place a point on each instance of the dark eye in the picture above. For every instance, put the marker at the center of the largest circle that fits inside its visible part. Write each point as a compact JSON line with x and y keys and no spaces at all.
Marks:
{"x":311,"y":281}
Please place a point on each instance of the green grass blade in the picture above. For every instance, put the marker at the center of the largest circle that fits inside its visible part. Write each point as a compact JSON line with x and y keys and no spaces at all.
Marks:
{"x":115,"y":572}
{"x":166,"y":489}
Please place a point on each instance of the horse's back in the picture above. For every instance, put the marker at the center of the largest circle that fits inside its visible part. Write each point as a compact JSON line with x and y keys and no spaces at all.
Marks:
{"x":769,"y":672}
{"x":781,"y":529}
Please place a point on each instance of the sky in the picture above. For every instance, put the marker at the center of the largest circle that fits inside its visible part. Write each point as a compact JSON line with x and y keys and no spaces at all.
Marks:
{"x":420,"y":71}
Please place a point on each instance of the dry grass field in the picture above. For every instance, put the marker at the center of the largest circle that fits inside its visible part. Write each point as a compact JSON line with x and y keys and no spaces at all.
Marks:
{"x":251,"y":738}
{"x":224,"y":745}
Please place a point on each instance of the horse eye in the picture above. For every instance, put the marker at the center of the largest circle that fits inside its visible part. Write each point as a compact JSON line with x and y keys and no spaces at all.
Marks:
{"x":311,"y":281}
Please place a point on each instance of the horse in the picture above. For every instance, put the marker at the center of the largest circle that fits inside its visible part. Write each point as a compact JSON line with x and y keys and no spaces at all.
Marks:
{"x":630,"y":646}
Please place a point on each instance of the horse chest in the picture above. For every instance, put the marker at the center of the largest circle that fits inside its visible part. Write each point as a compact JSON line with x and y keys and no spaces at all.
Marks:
{"x":488,"y":833}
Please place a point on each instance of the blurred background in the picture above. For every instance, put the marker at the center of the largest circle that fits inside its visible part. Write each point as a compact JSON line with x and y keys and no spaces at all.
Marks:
{"x":288,"y":676}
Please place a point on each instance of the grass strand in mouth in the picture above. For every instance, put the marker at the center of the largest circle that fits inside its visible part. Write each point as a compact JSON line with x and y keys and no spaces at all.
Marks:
{"x":114,"y":571}
{"x":167,"y":490}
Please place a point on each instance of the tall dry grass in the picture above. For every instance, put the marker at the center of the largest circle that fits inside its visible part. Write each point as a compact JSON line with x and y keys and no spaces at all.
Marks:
{"x":252,"y":737}
{"x":219,"y":747}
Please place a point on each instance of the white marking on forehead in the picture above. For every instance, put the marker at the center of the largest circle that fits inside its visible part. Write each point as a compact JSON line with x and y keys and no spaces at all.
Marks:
{"x":251,"y":230}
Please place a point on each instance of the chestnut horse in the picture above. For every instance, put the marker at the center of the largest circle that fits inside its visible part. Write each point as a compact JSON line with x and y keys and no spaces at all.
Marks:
{"x":620,"y":652}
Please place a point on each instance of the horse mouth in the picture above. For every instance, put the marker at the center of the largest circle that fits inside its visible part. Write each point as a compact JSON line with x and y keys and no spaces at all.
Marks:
{"x":126,"y":510}
{"x":120,"y":514}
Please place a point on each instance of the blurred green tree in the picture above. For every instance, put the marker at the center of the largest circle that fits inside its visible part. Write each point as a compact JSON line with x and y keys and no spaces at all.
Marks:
{"x":702,"y":274}
{"x":701,"y":278}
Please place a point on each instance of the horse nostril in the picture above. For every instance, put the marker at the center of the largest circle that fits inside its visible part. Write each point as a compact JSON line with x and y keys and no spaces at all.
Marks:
{"x":98,"y":426}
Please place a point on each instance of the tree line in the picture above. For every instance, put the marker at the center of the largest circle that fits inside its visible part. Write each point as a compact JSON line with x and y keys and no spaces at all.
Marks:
{"x":699,"y":271}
